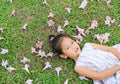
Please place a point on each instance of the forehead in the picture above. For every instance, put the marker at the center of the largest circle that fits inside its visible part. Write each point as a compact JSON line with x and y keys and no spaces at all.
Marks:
{"x":66,"y":40}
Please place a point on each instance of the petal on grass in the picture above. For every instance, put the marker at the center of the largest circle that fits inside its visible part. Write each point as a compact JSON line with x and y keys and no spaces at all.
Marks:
{"x":66,"y":22}
{"x":10,"y":69}
{"x":25,"y":60}
{"x":4,"y":63}
{"x":26,"y":68}
{"x":58,"y":69}
{"x":51,"y":15}
{"x":29,"y":81}
{"x":47,"y":65}
{"x":68,"y":9}
{"x":4,"y":51}
{"x":83,"y":4}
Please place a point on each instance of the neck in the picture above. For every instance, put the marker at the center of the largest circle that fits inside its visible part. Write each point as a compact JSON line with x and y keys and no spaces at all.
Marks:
{"x":75,"y":58}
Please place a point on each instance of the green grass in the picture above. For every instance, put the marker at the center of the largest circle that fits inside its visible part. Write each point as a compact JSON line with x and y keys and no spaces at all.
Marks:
{"x":34,"y":13}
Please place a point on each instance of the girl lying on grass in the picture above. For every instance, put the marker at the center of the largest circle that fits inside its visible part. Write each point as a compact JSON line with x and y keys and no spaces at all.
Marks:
{"x":98,"y":62}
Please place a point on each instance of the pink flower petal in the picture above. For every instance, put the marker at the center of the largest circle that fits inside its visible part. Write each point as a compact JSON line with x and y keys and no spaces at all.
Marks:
{"x":66,"y":23}
{"x":26,"y":68}
{"x":39,"y":44}
{"x":10,"y":69}
{"x":59,"y":29}
{"x":45,"y":2}
{"x":13,"y":13}
{"x":50,"y":23}
{"x":41,"y":53}
{"x":4,"y":51}
{"x":50,"y":54}
{"x":29,"y":81}
{"x":47,"y":65}
{"x":24,"y":26}
{"x":83,"y":4}
{"x":33,"y":50}
{"x":68,"y":9}
{"x":1,"y":29}
{"x":66,"y":82}
{"x":4,"y":63}
{"x":58,"y":69}
{"x":51,"y":15}
{"x":25,"y":60}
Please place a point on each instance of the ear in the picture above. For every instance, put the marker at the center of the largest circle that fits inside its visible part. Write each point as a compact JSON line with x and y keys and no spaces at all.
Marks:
{"x":63,"y":56}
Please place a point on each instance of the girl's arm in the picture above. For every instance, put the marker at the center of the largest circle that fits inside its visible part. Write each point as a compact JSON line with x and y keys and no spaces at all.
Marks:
{"x":107,"y":48}
{"x":96,"y":75}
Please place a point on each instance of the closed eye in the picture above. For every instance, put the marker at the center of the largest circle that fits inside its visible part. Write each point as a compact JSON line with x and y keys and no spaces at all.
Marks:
{"x":72,"y":42}
{"x":68,"y":48}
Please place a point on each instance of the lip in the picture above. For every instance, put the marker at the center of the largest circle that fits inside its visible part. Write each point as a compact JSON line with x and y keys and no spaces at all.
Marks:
{"x":76,"y":50}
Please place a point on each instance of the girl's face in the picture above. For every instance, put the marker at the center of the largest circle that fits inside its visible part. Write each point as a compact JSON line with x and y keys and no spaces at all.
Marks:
{"x":70,"y":47}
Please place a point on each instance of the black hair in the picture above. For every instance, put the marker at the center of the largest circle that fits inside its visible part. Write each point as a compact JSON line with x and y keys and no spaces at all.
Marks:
{"x":55,"y":42}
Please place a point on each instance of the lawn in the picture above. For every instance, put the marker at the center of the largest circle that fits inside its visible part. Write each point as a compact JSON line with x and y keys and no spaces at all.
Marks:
{"x":34,"y":13}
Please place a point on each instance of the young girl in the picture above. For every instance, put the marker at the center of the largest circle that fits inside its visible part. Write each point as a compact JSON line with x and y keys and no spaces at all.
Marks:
{"x":98,"y":62}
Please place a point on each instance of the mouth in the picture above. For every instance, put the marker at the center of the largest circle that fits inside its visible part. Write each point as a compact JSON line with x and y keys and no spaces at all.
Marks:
{"x":76,"y":50}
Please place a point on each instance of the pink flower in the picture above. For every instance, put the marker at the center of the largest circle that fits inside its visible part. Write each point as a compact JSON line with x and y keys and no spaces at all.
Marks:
{"x":58,"y":69}
{"x":66,"y":23}
{"x":83,"y":4}
{"x":68,"y":9}
{"x":47,"y":65}
{"x":33,"y":50}
{"x":11,"y":1}
{"x":81,"y":31}
{"x":24,"y":26}
{"x":94,"y":24}
{"x":113,"y":21}
{"x":4,"y":51}
{"x":25,"y":60}
{"x":66,"y":82}
{"x":26,"y":68}
{"x":108,"y":2}
{"x":50,"y":54}
{"x":10,"y":69}
{"x":102,"y":38}
{"x":45,"y":2}
{"x":39,"y":44}
{"x":13,"y":13}
{"x":79,"y":37}
{"x":29,"y":81}
{"x":41,"y":53}
{"x":108,"y":20}
{"x":1,"y":38}
{"x":1,"y":29}
{"x":50,"y":23}
{"x":51,"y":15}
{"x":59,"y":29}
{"x":82,"y":78}
{"x":4,"y":63}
